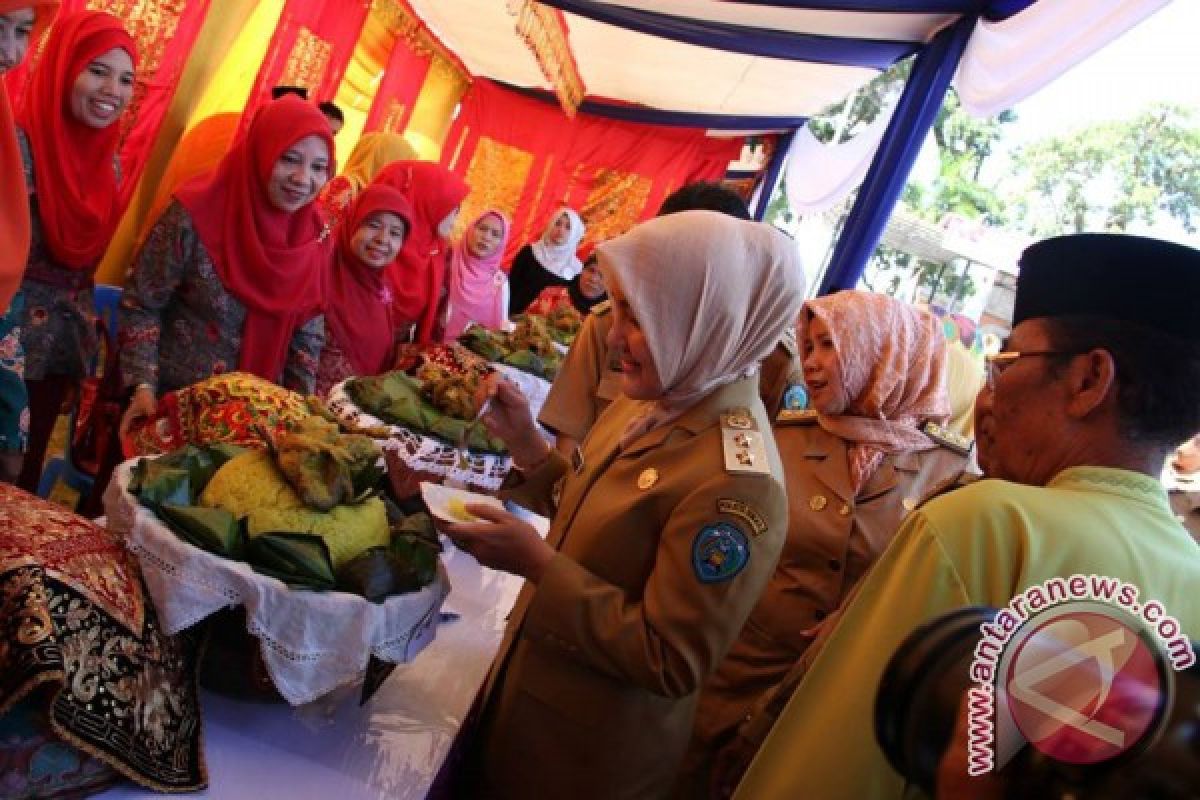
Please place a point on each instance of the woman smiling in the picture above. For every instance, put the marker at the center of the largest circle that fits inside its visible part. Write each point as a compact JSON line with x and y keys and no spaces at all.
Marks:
{"x":68,"y":135}
{"x":360,"y":337}
{"x":230,"y":277}
{"x":667,"y":526}
{"x":478,"y":287}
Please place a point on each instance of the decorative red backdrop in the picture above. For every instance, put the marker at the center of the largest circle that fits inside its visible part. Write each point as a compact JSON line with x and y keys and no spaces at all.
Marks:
{"x":311,"y":47}
{"x":407,"y":67}
{"x":526,"y":158}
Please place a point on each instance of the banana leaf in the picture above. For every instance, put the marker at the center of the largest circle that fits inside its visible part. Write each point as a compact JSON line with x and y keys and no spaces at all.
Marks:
{"x":211,"y":529}
{"x":491,"y":345}
{"x":396,"y":399}
{"x":419,"y":525}
{"x":178,"y":477}
{"x":301,"y":560}
{"x":367,"y":482}
{"x":379,"y":573}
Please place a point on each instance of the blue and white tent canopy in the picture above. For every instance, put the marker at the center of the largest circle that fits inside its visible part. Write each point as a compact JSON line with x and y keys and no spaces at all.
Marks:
{"x":753,"y":65}
{"x":783,"y":60}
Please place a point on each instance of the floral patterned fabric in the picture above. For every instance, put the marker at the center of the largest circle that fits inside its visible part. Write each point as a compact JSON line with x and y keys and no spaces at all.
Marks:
{"x":178,"y":323}
{"x":73,"y":618}
{"x":334,"y":368}
{"x":14,"y":400}
{"x":58,"y":327}
{"x":231,"y":409}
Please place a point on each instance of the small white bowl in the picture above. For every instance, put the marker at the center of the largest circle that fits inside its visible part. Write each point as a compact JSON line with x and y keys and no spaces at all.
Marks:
{"x":447,"y":504}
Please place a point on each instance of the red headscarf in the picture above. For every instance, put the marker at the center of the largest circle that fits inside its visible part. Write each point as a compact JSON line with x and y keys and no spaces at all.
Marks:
{"x":272,"y":261}
{"x":76,"y":186}
{"x":419,"y":273}
{"x":14,"y":195}
{"x":357,"y":302}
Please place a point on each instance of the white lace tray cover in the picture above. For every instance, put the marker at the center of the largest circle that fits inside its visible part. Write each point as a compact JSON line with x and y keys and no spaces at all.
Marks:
{"x":430,"y":454}
{"x":311,"y":642}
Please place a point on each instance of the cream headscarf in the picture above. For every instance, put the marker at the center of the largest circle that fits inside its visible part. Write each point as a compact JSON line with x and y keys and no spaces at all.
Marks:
{"x":560,"y":259}
{"x":373,"y":152}
{"x":892,"y":358}
{"x":713,"y":295}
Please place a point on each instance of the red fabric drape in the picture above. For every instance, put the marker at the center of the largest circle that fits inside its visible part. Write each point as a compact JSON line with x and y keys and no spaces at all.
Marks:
{"x":397,"y":93}
{"x":311,"y":47}
{"x":526,"y":158}
{"x":165,"y":33}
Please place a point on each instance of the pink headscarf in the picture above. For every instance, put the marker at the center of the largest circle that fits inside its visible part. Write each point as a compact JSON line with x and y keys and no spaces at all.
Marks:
{"x":475,"y":284}
{"x":892,"y":358}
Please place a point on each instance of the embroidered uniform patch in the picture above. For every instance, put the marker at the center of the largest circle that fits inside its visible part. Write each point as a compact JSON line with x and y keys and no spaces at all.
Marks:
{"x":737,"y":508}
{"x":795,"y":398}
{"x":719,"y":552}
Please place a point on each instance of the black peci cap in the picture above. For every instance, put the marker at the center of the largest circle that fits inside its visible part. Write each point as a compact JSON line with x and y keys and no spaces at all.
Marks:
{"x":1132,"y":278}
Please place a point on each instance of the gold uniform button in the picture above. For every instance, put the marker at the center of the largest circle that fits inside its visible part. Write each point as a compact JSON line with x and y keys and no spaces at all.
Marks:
{"x":817,"y":502}
{"x":844,"y":510}
{"x":908,"y":503}
{"x":648,"y":478}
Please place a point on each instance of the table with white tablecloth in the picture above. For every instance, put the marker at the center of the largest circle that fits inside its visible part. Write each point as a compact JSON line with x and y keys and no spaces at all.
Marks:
{"x":390,"y":748}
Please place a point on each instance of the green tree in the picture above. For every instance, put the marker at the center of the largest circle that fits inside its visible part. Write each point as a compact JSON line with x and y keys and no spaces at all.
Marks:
{"x":1111,"y":175}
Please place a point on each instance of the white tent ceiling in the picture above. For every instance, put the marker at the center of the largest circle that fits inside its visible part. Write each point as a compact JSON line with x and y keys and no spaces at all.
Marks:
{"x":1005,"y":61}
{"x":660,"y":73}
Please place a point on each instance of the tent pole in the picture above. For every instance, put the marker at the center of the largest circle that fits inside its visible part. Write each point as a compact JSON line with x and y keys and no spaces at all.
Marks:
{"x":885,"y":179}
{"x":774,"y":170}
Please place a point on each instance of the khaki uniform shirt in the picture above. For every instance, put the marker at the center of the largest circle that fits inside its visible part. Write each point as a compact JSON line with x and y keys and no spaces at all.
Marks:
{"x":593,"y":691}
{"x":590,"y":378}
{"x":587,"y":381}
{"x":833,"y":538}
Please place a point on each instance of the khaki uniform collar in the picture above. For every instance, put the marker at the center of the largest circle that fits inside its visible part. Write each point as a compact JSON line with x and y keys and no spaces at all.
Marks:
{"x":703,"y":415}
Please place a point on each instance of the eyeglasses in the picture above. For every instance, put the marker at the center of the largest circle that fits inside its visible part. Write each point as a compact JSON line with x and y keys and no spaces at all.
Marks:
{"x":996,"y":363}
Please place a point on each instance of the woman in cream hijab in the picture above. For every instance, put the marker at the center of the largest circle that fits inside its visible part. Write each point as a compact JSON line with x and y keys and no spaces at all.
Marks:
{"x":668,"y":524}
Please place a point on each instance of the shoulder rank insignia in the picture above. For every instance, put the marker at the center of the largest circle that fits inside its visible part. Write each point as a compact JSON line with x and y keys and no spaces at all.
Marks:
{"x":743,"y":444}
{"x":948,"y":438}
{"x":600,"y":309}
{"x":796,"y":416}
{"x":719,"y":552}
{"x":742,"y":510}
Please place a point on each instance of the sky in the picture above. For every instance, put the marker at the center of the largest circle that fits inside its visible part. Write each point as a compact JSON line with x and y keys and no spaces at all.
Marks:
{"x":1155,"y":61}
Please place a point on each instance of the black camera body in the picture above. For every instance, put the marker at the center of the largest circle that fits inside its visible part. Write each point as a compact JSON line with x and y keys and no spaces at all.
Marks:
{"x":918,"y":701}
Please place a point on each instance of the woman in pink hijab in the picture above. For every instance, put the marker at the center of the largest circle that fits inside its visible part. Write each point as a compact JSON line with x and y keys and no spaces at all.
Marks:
{"x":478,"y":286}
{"x":863,"y":455}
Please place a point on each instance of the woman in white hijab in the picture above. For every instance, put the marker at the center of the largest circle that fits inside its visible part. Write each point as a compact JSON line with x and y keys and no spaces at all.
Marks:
{"x":550,"y":261}
{"x":668,"y":524}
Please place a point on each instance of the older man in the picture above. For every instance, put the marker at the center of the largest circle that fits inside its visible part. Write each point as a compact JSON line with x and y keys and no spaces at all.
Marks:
{"x":1099,"y":381}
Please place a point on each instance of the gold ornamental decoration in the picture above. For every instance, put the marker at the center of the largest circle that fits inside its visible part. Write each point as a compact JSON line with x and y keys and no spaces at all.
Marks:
{"x":308,"y":61}
{"x":544,"y":33}
{"x":614,"y":204}
{"x":500,"y":171}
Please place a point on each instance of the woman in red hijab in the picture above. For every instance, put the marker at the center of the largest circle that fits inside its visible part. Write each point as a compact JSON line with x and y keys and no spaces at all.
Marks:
{"x":418,"y":278}
{"x":359,"y":335}
{"x":230,"y":277}
{"x":20,"y":24}
{"x":68,"y":131}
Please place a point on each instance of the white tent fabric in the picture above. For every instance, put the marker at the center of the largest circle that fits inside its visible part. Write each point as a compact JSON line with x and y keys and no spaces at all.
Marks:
{"x":1007,"y":61}
{"x":663,"y":74}
{"x":818,"y":176}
